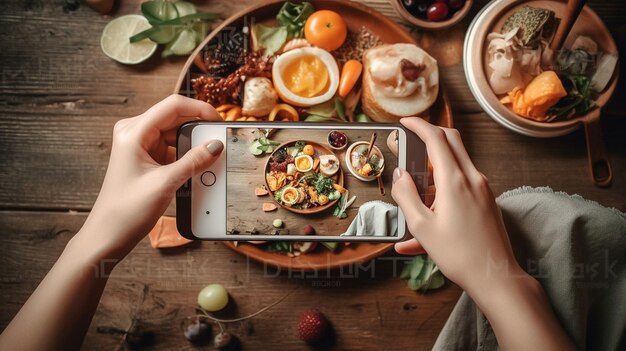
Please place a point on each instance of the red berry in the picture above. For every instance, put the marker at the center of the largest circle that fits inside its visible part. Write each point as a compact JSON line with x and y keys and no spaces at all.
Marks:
{"x":437,"y":12}
{"x":456,"y":4}
{"x":313,"y":326}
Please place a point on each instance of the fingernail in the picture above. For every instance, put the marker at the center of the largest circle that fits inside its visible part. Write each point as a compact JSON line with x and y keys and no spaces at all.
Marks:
{"x":215,"y":147}
{"x":397,"y":173}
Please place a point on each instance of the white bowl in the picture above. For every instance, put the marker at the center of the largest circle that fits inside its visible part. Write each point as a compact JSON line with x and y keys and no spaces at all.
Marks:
{"x":488,"y":19}
{"x":375,"y":150}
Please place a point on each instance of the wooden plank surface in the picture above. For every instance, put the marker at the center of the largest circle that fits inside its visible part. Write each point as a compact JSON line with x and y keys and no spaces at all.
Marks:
{"x":368,"y":305}
{"x":245,"y":172}
{"x":59,"y":98}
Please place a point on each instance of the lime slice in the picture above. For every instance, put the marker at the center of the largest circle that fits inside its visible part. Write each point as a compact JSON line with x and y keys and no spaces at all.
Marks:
{"x":185,"y":8}
{"x":115,"y":44}
{"x":164,"y":35}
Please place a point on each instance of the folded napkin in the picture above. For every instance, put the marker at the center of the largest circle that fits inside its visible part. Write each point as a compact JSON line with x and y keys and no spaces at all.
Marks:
{"x":576,"y":249}
{"x":375,"y":218}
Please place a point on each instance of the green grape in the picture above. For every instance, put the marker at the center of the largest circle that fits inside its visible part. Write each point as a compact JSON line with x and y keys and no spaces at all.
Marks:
{"x":213,"y":297}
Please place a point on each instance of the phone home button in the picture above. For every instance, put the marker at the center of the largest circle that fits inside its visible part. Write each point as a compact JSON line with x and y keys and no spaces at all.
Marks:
{"x":208,"y":178}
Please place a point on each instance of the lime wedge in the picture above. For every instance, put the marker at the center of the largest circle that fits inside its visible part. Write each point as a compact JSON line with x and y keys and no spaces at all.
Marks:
{"x":164,"y":35}
{"x":114,"y":41}
{"x":183,"y":44}
{"x":185,"y":8}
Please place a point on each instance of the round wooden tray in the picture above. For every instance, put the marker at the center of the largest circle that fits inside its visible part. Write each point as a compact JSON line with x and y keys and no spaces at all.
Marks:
{"x":355,"y":16}
{"x":320,"y":150}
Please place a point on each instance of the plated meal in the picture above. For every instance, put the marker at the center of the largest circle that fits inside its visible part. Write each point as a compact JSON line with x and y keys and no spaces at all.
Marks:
{"x":308,"y":65}
{"x":239,"y":74}
{"x":536,"y":83}
{"x":304,"y":177}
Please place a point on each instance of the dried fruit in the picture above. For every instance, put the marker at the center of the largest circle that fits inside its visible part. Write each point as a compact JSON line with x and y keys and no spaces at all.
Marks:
{"x":313,"y":326}
{"x":198,"y":332}
{"x":225,"y":341}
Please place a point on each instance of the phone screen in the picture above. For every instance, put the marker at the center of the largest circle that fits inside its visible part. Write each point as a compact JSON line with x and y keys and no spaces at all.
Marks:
{"x":311,"y":181}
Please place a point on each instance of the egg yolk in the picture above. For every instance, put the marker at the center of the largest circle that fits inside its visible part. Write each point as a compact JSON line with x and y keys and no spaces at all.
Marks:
{"x":306,"y":76}
{"x":303,"y":163}
{"x":290,"y":195}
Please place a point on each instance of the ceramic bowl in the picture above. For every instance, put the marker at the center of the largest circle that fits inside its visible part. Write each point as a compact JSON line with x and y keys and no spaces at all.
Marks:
{"x":432,"y":25}
{"x":375,"y":151}
{"x":490,"y":19}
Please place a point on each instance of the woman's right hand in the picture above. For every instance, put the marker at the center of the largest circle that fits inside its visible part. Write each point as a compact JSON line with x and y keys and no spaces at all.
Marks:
{"x":463,"y":230}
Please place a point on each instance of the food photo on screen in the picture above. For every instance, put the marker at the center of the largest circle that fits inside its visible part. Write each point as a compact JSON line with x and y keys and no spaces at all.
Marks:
{"x":293,"y":181}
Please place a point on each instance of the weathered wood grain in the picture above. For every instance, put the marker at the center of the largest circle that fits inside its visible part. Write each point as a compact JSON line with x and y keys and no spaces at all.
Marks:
{"x":369,"y":308}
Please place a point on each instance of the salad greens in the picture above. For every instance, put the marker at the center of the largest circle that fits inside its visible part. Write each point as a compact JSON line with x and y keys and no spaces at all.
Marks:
{"x":262,"y":146}
{"x":422,"y":274}
{"x":327,"y":111}
{"x":343,"y":204}
{"x":578,"y":100}
{"x":291,"y":19}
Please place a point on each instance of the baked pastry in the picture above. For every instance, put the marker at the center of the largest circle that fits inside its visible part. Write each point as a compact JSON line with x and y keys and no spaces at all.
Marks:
{"x":399,"y":80}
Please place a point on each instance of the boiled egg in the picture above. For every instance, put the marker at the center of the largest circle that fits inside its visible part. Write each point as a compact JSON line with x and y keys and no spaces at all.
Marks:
{"x":290,"y":196}
{"x":304,"y":163}
{"x":306,"y":76}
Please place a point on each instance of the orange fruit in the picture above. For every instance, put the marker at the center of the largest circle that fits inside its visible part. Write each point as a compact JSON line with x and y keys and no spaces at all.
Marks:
{"x":325,"y":29}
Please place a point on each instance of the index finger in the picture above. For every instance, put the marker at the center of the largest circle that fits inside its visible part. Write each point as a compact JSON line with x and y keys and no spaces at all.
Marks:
{"x":170,"y":112}
{"x":445,"y":165}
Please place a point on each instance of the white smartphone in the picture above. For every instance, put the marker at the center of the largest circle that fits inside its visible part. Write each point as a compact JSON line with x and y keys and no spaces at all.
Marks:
{"x":298,"y":181}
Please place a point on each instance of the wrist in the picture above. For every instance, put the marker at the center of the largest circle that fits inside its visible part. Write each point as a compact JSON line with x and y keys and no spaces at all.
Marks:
{"x":511,"y":288}
{"x":84,"y":251}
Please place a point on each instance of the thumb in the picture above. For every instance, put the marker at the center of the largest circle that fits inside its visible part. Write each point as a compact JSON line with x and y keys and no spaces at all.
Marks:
{"x":194,"y":161}
{"x":404,"y":192}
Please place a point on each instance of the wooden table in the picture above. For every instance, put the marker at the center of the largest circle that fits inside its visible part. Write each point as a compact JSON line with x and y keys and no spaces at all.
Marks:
{"x":245,"y":172}
{"x":60,"y":97}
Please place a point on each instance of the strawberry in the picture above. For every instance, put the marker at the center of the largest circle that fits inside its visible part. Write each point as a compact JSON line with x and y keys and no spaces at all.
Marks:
{"x":313,"y":326}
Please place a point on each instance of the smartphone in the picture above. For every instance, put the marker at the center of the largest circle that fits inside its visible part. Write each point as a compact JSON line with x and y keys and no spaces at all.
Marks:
{"x":298,"y":181}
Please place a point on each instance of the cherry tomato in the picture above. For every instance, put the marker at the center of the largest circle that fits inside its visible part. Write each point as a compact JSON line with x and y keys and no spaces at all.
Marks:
{"x":325,"y":29}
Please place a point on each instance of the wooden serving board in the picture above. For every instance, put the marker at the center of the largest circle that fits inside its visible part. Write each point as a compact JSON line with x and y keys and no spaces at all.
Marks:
{"x":355,"y":15}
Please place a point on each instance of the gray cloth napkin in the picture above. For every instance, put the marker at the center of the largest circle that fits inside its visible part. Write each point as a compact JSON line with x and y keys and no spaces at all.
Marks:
{"x":375,"y":218}
{"x":576,"y":249}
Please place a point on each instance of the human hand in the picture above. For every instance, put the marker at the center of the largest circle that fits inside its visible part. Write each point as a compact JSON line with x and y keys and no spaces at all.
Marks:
{"x":463,"y":230}
{"x":143,"y":176}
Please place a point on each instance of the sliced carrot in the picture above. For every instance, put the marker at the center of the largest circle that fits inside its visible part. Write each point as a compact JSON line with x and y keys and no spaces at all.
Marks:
{"x":350,"y":74}
{"x":282,"y":110}
{"x":269,"y":207}
{"x":260,"y":191}
{"x":316,"y":164}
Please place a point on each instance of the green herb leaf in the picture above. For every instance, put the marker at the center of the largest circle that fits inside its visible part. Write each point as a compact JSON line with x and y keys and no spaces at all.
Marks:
{"x":269,"y":38}
{"x":157,"y":11}
{"x":332,"y":246}
{"x":340,"y":110}
{"x":176,"y":21}
{"x":362,"y":118}
{"x":293,"y":17}
{"x":422,"y":274}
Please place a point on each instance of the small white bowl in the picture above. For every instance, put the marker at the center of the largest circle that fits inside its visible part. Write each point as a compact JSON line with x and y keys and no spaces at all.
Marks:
{"x":375,"y":150}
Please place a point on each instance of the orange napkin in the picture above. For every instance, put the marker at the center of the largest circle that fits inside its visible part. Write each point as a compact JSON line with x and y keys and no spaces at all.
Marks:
{"x":164,"y":234}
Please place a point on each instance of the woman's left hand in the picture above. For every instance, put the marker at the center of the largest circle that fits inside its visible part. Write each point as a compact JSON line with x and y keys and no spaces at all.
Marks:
{"x":143,"y":174}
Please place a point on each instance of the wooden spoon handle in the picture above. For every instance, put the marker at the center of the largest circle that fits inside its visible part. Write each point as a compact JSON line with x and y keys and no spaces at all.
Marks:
{"x":599,"y":166}
{"x":567,"y":22}
{"x":371,"y":145}
{"x":381,"y":186}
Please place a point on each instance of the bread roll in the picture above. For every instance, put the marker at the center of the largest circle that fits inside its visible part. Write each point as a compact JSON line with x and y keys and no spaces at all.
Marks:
{"x":399,"y":80}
